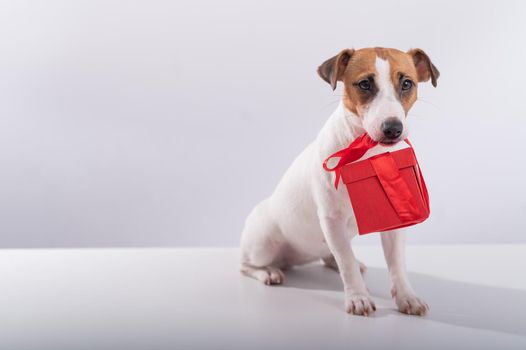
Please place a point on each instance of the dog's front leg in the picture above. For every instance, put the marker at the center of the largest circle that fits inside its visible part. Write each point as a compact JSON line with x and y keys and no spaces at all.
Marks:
{"x":408,"y":302}
{"x":357,"y":298}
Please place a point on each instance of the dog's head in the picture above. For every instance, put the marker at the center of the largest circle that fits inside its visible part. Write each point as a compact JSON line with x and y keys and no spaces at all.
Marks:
{"x":380,"y":86}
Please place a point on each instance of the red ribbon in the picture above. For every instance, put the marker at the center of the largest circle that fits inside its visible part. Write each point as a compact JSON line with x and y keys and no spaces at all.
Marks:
{"x":395,"y":187}
{"x":355,"y":151}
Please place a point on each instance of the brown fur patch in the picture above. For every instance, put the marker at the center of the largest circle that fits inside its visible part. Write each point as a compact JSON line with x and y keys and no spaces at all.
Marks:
{"x":361,"y":64}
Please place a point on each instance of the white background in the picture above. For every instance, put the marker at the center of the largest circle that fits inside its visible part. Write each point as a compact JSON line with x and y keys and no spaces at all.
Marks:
{"x":126,"y":123}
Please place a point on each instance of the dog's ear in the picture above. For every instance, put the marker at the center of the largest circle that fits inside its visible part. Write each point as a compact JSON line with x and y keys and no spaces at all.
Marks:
{"x":424,"y":67}
{"x":332,"y":70}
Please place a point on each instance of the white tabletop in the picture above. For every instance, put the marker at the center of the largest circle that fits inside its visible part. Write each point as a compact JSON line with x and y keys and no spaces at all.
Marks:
{"x":195,"y":299}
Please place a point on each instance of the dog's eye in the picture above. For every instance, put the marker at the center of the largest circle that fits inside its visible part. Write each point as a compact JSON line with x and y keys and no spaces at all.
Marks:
{"x":407,"y":84}
{"x":364,"y":84}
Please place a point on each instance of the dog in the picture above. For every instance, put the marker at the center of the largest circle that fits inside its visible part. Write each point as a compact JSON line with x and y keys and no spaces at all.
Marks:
{"x":306,"y":218}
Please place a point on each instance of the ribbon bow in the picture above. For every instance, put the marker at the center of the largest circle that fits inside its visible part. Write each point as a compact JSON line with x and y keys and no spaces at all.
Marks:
{"x":355,"y":151}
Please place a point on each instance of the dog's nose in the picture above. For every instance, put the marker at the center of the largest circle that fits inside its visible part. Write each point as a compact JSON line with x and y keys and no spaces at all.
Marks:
{"x":392,"y":128}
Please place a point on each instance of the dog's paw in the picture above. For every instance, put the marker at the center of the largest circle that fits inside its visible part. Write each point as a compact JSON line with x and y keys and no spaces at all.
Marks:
{"x":268,"y":275}
{"x":360,"y":304}
{"x":411,"y":304}
{"x":274,"y":276}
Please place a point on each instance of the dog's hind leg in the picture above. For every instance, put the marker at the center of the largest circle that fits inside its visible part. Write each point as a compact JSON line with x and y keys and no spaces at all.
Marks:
{"x":260,"y":260}
{"x":262,"y":246}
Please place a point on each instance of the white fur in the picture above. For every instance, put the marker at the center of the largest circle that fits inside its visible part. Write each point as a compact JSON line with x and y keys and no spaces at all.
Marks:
{"x":385,"y":104}
{"x":306,"y":219}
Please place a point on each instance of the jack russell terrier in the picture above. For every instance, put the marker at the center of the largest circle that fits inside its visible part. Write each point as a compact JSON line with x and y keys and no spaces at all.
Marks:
{"x":306,"y":219}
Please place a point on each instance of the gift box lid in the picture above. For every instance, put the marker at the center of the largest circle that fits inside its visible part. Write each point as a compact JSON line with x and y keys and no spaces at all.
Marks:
{"x":363,"y":169}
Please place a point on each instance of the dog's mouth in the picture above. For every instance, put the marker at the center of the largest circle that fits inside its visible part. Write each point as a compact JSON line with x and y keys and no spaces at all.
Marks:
{"x":389,"y":142}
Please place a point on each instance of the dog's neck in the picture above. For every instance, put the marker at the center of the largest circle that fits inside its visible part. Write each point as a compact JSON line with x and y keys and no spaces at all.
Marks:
{"x":339,"y":131}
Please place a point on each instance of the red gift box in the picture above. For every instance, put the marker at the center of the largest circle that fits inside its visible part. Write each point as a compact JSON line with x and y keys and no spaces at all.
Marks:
{"x":387,"y":191}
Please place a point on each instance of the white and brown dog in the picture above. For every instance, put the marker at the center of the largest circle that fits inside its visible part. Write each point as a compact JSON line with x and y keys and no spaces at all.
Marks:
{"x":306,"y":219}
